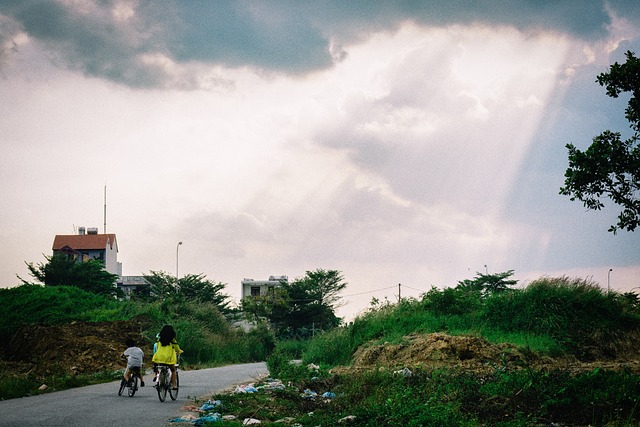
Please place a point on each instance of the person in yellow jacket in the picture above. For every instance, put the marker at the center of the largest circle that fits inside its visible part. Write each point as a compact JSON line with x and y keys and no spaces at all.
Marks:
{"x":167,"y":351}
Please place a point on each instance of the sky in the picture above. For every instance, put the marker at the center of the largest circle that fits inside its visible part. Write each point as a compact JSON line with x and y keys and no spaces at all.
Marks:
{"x":399,"y":142}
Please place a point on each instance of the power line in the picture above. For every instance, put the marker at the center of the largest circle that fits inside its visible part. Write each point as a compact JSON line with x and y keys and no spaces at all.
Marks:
{"x":419,"y":290}
{"x":369,"y":292}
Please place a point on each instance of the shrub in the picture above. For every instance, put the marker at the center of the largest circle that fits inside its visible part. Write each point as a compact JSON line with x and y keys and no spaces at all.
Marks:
{"x":451,"y":301}
{"x":574,"y":312}
{"x":331,"y":348}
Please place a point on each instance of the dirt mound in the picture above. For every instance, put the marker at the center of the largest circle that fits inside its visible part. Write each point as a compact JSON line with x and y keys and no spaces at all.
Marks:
{"x":469,"y":353}
{"x":78,"y":347}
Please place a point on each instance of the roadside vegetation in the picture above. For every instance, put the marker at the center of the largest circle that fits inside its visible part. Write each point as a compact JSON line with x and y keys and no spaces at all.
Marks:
{"x":554,"y":324}
{"x":207,"y":336}
{"x":544,"y":328}
{"x":207,"y":327}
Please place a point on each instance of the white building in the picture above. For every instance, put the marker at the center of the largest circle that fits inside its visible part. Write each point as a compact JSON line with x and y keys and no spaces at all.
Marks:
{"x":133,"y":285}
{"x":253,"y":288}
{"x":90,"y":245}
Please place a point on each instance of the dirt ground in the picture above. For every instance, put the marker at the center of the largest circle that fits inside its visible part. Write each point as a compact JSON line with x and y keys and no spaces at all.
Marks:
{"x":473,"y":354}
{"x":75,"y":348}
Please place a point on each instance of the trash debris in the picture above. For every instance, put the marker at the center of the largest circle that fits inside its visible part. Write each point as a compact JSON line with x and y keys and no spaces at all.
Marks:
{"x":309,"y":394}
{"x":211,"y":404}
{"x":347,"y":419}
{"x":250,"y":421}
{"x":246,"y":389}
{"x":272,"y":385}
{"x":211,"y":418}
{"x":43,"y":387}
{"x":329,"y":395}
{"x":189,"y":418}
{"x":406,"y":372}
{"x":285,"y":420}
{"x":313,"y":367}
{"x":190,"y":408}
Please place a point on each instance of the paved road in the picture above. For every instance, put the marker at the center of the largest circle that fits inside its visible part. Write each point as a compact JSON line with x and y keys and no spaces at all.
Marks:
{"x":99,"y":405}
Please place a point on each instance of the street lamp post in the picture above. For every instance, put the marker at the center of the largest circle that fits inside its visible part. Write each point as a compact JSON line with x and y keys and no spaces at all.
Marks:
{"x":609,"y":280}
{"x":177,"y":252}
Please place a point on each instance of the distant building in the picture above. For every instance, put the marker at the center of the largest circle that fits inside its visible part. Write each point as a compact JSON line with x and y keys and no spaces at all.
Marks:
{"x":253,"y":288}
{"x":88,"y":244}
{"x":134,"y":285}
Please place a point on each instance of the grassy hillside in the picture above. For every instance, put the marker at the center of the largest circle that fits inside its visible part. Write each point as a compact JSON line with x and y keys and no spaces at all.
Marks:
{"x":559,"y":352}
{"x":72,"y":325}
{"x":550,"y":316}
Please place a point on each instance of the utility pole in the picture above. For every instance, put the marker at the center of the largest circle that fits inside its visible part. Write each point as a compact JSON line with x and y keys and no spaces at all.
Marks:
{"x":105,"y":208}
{"x":177,"y":259}
{"x":399,"y":292}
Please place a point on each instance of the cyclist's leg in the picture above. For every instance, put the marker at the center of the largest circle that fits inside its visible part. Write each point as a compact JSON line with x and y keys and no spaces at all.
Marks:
{"x":140,"y":376}
{"x":137,"y":371}
{"x":173,"y":376}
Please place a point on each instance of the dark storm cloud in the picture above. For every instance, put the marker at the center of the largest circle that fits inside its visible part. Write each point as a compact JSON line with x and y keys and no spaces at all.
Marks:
{"x":92,"y":39}
{"x":271,"y":36}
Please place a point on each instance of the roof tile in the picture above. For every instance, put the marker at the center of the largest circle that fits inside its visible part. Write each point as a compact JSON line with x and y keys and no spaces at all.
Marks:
{"x":85,"y":241}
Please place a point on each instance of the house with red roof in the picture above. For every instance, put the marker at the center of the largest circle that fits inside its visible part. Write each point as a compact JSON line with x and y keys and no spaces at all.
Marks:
{"x":90,"y":245}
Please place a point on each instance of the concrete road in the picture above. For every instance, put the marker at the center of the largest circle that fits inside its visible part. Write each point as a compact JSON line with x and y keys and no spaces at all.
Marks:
{"x":99,"y":405}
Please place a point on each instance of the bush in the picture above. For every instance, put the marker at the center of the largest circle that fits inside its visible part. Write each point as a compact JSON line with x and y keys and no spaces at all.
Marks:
{"x":260,"y":343}
{"x":280,"y":365}
{"x":450,"y":301}
{"x":331,"y":348}
{"x":576,"y":313}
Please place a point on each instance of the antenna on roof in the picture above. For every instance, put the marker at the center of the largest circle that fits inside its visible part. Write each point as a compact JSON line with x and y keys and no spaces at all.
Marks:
{"x":105,"y":208}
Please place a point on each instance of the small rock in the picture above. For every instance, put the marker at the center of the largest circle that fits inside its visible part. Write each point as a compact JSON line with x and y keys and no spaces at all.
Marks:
{"x":43,"y":387}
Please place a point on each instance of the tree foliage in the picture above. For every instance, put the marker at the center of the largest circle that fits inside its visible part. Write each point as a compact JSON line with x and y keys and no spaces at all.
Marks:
{"x":488,"y":283}
{"x":611,"y":166}
{"x":298,"y":308}
{"x":191,"y":287}
{"x":60,"y":270}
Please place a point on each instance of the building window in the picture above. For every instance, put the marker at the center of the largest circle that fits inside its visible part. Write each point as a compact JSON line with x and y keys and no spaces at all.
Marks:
{"x":255,"y":291}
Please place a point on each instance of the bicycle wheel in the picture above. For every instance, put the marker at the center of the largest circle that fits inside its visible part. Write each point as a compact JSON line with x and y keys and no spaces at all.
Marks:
{"x":123,"y":384}
{"x":174,"y":392}
{"x":133,"y":385}
{"x":161,"y":385}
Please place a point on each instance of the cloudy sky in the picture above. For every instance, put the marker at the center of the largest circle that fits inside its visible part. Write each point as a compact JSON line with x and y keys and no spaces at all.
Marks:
{"x":398,"y":142}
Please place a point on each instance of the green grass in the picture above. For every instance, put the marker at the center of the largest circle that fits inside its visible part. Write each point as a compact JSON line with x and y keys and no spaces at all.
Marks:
{"x":446,"y":397}
{"x":555,"y":317}
{"x":12,"y":386}
{"x":206,"y":336}
{"x":33,"y":304}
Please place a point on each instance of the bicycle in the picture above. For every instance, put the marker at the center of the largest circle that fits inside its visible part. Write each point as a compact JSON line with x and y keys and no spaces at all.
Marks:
{"x":132,"y":384}
{"x":163,"y":382}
